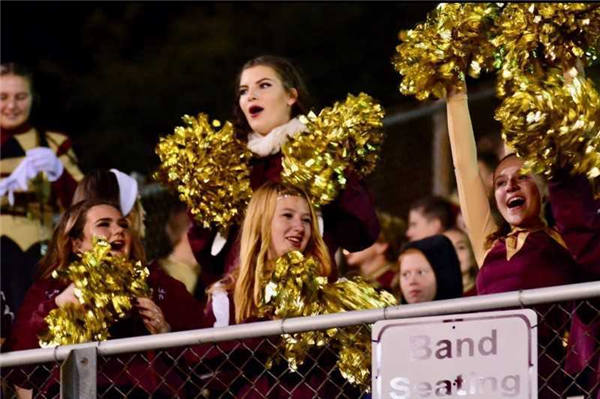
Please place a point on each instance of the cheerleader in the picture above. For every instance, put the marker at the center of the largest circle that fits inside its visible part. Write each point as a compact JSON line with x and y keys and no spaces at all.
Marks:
{"x":521,"y":251}
{"x":271,"y":94}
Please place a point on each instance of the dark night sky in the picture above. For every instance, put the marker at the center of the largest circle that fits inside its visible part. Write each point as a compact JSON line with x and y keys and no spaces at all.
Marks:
{"x":117,"y":75}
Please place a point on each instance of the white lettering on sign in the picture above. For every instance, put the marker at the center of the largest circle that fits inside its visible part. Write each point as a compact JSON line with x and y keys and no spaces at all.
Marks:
{"x":478,"y":355}
{"x":473,"y":385}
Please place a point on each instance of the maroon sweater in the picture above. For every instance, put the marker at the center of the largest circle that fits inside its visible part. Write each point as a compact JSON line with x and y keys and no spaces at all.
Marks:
{"x":238,"y":368}
{"x":181,"y":311}
{"x":543,"y":262}
{"x":578,"y":220}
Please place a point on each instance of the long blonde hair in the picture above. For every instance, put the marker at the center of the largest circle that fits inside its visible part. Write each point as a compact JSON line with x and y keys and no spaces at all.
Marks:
{"x":247,"y":279}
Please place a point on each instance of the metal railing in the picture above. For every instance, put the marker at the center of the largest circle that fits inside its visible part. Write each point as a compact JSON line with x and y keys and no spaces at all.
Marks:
{"x":238,"y":360}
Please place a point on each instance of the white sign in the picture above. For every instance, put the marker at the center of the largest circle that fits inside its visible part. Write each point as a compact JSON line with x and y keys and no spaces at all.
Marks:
{"x":478,"y":355}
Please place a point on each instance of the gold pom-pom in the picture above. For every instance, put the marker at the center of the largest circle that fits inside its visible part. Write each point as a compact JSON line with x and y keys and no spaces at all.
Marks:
{"x":354,"y":343}
{"x":105,"y":286}
{"x":294,"y":288}
{"x":551,"y":123}
{"x":209,"y":169}
{"x":347,"y":135}
{"x":537,"y":36}
{"x":436,"y":54}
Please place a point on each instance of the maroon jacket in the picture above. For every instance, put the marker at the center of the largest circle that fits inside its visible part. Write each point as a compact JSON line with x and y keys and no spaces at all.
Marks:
{"x":181,"y":311}
{"x":578,"y":220}
{"x":350,"y":222}
{"x":238,"y":368}
{"x":577,"y":216}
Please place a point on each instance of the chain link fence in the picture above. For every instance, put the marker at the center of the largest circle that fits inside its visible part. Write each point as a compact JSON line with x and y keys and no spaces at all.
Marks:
{"x":244,"y":361}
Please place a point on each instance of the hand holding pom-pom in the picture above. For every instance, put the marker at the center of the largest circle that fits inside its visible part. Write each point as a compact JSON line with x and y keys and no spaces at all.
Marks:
{"x":103,"y":286}
{"x":295,"y":288}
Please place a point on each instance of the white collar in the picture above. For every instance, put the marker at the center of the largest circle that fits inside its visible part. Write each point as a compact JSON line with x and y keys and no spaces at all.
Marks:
{"x":262,"y":146}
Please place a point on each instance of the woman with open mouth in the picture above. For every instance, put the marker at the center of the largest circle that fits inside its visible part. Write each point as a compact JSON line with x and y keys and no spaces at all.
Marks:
{"x":170,"y":308}
{"x":521,"y":251}
{"x":271,"y":94}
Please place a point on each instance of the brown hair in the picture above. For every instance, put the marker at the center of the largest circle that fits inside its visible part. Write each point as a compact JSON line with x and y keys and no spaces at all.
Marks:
{"x":291,"y":78}
{"x":98,"y":184}
{"x":435,"y":207}
{"x":61,"y":254}
{"x":12,"y":68}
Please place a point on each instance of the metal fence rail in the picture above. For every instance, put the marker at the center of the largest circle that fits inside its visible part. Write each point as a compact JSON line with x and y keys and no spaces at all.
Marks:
{"x":238,"y":360}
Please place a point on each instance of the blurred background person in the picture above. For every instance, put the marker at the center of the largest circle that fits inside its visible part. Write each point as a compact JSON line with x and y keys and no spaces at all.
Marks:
{"x":180,"y":263}
{"x":466,"y":257}
{"x":429,"y":216}
{"x":429,"y":271}
{"x":39,"y":174}
{"x":377,"y":264}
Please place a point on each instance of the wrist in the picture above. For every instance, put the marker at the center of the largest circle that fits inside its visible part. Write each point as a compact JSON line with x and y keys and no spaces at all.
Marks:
{"x":166,"y":328}
{"x":458,"y":96}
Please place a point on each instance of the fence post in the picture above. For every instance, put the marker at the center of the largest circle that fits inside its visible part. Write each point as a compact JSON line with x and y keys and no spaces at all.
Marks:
{"x":78,"y":374}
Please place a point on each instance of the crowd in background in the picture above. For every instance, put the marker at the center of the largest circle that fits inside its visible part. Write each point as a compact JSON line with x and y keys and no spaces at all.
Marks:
{"x":444,"y":248}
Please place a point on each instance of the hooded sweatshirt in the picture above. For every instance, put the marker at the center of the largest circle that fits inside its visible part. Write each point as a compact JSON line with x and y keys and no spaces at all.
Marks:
{"x":441,"y":255}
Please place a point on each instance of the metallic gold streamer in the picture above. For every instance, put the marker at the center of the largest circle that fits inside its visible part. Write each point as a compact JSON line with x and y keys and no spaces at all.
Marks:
{"x":294,"y":289}
{"x":536,"y":36}
{"x":436,"y":54}
{"x":347,"y":135}
{"x":105,"y":286}
{"x":551,"y":124}
{"x":208,"y":168}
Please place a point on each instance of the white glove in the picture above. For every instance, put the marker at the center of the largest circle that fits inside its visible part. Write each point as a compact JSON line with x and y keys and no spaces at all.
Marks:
{"x":17,"y":180}
{"x":43,"y":159}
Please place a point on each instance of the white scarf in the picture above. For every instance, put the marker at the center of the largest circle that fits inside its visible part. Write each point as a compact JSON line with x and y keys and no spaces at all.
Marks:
{"x":262,"y":146}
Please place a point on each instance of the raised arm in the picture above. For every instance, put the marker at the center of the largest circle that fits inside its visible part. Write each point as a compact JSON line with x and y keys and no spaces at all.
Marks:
{"x":474,"y":203}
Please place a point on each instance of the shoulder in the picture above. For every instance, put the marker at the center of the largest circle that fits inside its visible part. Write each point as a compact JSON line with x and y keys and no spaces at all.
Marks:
{"x":59,"y":142}
{"x":56,"y":135}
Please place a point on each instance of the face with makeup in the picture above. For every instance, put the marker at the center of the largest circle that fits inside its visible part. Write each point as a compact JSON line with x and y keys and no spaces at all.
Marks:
{"x":517,"y":194}
{"x":108,"y":222}
{"x":264,"y":100}
{"x":290,"y":226}
{"x":15,"y":101}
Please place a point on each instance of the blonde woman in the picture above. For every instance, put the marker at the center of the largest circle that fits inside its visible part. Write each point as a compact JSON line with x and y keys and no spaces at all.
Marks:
{"x":279,"y":219}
